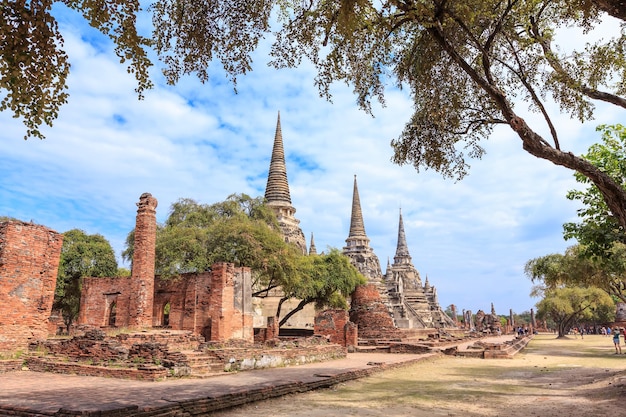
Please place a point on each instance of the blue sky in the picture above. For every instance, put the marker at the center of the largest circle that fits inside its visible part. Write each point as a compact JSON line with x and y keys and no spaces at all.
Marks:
{"x":471,"y":238}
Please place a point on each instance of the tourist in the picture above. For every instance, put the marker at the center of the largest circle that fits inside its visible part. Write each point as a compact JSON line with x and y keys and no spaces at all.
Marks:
{"x":618,"y":347}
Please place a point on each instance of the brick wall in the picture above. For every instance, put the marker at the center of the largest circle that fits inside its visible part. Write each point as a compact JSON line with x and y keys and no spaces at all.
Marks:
{"x":336,"y":325}
{"x":105,"y":302}
{"x":230,"y":305}
{"x":196,"y":301}
{"x":29,"y":263}
{"x":371,"y":315}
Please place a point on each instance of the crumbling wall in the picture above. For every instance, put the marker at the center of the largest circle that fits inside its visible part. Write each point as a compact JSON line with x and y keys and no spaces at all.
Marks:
{"x":29,"y":263}
{"x":105,"y":302}
{"x":337,"y":327}
{"x":371,"y":315}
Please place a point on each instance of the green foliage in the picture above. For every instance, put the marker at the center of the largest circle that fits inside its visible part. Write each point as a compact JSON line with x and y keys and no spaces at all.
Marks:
{"x":34,"y":66}
{"x":82,"y":255}
{"x":7,"y":219}
{"x":598,"y":230}
{"x":576,"y":268}
{"x":326,"y":280}
{"x":244,"y":231}
{"x":567,"y":306}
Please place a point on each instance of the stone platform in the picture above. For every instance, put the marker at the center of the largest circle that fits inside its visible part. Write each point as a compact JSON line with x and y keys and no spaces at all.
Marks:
{"x":26,"y":393}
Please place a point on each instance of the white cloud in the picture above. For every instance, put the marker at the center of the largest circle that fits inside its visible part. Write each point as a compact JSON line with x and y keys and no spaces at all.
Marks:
{"x":472,"y":238}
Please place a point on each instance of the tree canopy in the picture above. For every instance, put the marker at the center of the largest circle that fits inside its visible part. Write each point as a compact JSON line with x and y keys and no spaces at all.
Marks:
{"x":568,"y":306}
{"x":574,"y":268}
{"x":465,"y":63}
{"x":82,"y":255}
{"x":598,"y":230}
{"x":244,"y":231}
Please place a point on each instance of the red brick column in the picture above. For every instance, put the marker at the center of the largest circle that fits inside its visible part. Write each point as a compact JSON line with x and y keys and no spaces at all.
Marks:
{"x":142,"y":276}
{"x":29,"y":263}
{"x":221,"y":309}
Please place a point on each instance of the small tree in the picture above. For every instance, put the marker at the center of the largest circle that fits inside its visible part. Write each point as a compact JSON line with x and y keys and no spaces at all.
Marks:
{"x":569,"y":305}
{"x":576,"y":268}
{"x":326,"y":280}
{"x":82,"y":255}
{"x":244,"y":231}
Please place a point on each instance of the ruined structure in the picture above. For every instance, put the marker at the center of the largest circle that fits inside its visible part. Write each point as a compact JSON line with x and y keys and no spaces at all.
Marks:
{"x":413,"y":305}
{"x":371,"y":315}
{"x":278,"y":196}
{"x":405,"y":301}
{"x":29,"y":263}
{"x":142,"y":274}
{"x":487,"y":323}
{"x":216,"y":304}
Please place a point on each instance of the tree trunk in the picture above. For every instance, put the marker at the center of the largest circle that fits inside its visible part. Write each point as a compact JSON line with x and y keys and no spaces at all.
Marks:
{"x":299,"y":307}
{"x":615,"y":8}
{"x":613,"y":193}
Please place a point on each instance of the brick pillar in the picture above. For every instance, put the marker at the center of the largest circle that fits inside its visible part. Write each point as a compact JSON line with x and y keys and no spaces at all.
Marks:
{"x":29,"y":263}
{"x":142,"y":276}
{"x":221,"y":307}
{"x":272,"y":329}
{"x":453,"y":309}
{"x":352,"y":334}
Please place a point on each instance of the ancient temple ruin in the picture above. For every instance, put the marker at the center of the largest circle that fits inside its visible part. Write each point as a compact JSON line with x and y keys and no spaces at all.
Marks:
{"x":414,"y":305}
{"x":408,"y":303}
{"x":216,"y":304}
{"x":29,"y":262}
{"x":358,"y":247}
{"x":278,"y":197}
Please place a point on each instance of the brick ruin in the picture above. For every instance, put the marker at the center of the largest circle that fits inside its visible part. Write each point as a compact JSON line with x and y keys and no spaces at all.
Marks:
{"x":337,"y":327}
{"x":216,"y":304}
{"x":142,"y":274}
{"x":29,"y":262}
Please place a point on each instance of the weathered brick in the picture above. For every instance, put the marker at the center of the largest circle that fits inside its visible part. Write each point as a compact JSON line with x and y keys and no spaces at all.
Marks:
{"x":29,"y":262}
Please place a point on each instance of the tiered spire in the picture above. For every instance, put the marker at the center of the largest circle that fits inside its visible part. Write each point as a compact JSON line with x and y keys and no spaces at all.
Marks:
{"x":312,"y":248}
{"x":277,"y":194}
{"x":277,"y":189}
{"x":357,"y":228}
{"x":402,"y":249}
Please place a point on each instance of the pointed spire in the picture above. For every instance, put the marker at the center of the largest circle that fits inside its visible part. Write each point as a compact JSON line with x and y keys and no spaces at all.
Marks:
{"x":357,"y":229}
{"x":277,"y":189}
{"x":312,"y":248}
{"x":402,"y":249}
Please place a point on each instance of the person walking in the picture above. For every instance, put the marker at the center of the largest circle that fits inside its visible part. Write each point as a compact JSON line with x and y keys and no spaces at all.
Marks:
{"x":618,"y":347}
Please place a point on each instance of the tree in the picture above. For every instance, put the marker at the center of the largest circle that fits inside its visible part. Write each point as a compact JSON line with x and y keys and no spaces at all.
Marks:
{"x":569,"y":305}
{"x":327,"y":280}
{"x":465,"y":63}
{"x":244,"y":231}
{"x":33,"y":65}
{"x":598,"y":230}
{"x":575,"y":268}
{"x":82,"y":255}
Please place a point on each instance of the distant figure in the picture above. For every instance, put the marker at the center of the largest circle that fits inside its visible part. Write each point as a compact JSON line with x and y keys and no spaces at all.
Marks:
{"x":618,"y":347}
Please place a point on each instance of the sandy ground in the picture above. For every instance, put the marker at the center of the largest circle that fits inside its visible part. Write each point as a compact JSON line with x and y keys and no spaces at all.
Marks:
{"x":550,"y":378}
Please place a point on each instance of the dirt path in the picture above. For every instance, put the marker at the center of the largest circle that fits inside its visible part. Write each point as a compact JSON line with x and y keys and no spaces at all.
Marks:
{"x":550,"y":378}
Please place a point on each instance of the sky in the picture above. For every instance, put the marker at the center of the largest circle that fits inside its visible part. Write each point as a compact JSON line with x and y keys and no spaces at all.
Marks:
{"x":471,"y":238}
